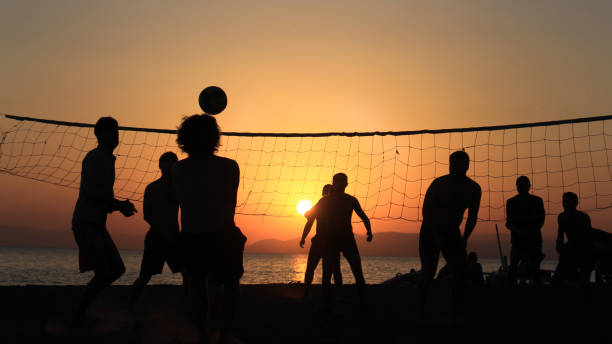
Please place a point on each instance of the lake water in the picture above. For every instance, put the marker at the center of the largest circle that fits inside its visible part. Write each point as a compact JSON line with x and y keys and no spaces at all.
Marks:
{"x":51,"y":266}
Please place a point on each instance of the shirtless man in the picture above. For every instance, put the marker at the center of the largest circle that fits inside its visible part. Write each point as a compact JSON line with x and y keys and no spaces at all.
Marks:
{"x":206,"y":187}
{"x":575,"y":253}
{"x":445,"y":202}
{"x":160,"y":210}
{"x":97,"y":251}
{"x":316,"y":249}
{"x":333,"y":214}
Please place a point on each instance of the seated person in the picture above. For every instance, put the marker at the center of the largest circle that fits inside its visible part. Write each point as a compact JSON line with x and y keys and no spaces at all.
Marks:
{"x":574,"y":254}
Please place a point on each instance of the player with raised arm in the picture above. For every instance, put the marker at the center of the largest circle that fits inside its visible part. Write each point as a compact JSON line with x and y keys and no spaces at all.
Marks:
{"x":445,"y":202}
{"x":97,"y":251}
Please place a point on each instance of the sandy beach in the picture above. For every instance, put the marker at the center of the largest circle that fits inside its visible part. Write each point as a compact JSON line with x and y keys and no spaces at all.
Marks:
{"x":278,"y":314}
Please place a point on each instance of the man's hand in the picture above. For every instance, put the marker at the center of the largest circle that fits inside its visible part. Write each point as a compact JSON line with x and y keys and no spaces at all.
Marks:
{"x":127,"y":208}
{"x":302,"y":242}
{"x":369,"y":238}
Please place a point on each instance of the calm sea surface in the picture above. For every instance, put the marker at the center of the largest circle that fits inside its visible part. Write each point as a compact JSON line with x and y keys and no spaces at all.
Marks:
{"x":51,"y":266}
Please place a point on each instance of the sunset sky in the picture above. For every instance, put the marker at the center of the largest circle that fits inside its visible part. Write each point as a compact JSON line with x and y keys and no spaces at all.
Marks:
{"x":296,"y":66}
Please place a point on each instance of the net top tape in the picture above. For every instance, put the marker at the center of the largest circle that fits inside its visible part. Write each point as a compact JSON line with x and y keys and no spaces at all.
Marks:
{"x":347,"y":134}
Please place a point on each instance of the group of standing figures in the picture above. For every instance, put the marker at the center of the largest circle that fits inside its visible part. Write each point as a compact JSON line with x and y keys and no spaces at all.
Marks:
{"x":525,"y":217}
{"x":208,"y":248}
{"x":444,"y":206}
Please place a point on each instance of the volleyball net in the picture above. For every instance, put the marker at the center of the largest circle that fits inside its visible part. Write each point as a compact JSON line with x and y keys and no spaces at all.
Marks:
{"x":389,"y":172}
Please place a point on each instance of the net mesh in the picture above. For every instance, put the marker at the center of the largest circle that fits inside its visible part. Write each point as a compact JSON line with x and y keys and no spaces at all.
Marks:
{"x":388,"y":172}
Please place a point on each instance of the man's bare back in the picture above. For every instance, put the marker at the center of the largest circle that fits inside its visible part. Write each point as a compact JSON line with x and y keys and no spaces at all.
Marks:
{"x":206,"y":190}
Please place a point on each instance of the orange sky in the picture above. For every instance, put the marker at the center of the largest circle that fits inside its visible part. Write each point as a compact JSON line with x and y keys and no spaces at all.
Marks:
{"x":292,"y":66}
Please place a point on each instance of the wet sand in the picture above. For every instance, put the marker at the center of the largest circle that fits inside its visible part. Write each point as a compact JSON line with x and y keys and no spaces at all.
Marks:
{"x":278,"y":314}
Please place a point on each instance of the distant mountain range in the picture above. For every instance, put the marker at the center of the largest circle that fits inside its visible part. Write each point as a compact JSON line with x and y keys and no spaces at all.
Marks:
{"x":384,"y":243}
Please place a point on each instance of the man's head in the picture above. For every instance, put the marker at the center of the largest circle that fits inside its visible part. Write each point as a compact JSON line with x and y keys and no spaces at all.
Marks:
{"x":327,"y":189}
{"x":523,"y":185}
{"x":340,"y":182}
{"x":199,"y":135}
{"x":107,"y":132}
{"x":166,"y":161}
{"x":472,"y":257}
{"x":570,"y":201}
{"x":459,"y":162}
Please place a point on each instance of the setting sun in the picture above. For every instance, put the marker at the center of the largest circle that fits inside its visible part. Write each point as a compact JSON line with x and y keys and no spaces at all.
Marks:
{"x":303,"y":206}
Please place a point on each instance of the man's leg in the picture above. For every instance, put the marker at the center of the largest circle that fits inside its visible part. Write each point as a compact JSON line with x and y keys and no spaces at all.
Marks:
{"x":109,"y":267}
{"x":314,"y":255}
{"x":429,"y":254}
{"x":351,"y":253}
{"x":453,"y":249}
{"x":231,"y":292}
{"x":93,"y":288}
{"x":137,"y":287}
{"x":535,"y":257}
{"x":337,"y":273}
{"x":514,"y":262}
{"x":196,"y":268}
{"x":152,"y":263}
{"x":198,"y":292}
{"x":585,"y":263}
{"x":329,"y":261}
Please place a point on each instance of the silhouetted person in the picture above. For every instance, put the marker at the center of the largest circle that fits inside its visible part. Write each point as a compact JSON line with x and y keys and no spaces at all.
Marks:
{"x":206,"y":186}
{"x":97,"y":251}
{"x":160,"y":210}
{"x":474,"y":273}
{"x":575,"y":226}
{"x":525,"y":217}
{"x":333,"y":214}
{"x":445,"y":202}
{"x":316,"y":250}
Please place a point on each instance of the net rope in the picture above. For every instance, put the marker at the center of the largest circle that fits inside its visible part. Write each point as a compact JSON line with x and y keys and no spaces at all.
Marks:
{"x":388,"y":172}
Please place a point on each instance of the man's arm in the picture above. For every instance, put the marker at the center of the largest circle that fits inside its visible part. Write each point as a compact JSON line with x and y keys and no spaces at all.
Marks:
{"x":235,"y":184}
{"x":472,"y":218}
{"x":364,"y":218}
{"x":560,"y":232}
{"x":509,"y":215}
{"x":429,"y":207}
{"x":540,"y":214}
{"x":307,"y":228}
{"x":146,"y":205}
{"x":98,"y":185}
{"x":310,"y":215}
{"x":125,"y":207}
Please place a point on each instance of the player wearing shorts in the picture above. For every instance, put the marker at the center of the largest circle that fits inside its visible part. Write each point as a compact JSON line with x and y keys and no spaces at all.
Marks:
{"x":160,"y":211}
{"x":206,"y":186}
{"x":445,"y":202}
{"x":316,"y":250}
{"x":97,"y":251}
{"x":334,"y":213}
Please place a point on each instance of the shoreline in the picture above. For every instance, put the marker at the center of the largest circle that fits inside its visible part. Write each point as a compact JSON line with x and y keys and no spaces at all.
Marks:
{"x":276,"y":313}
